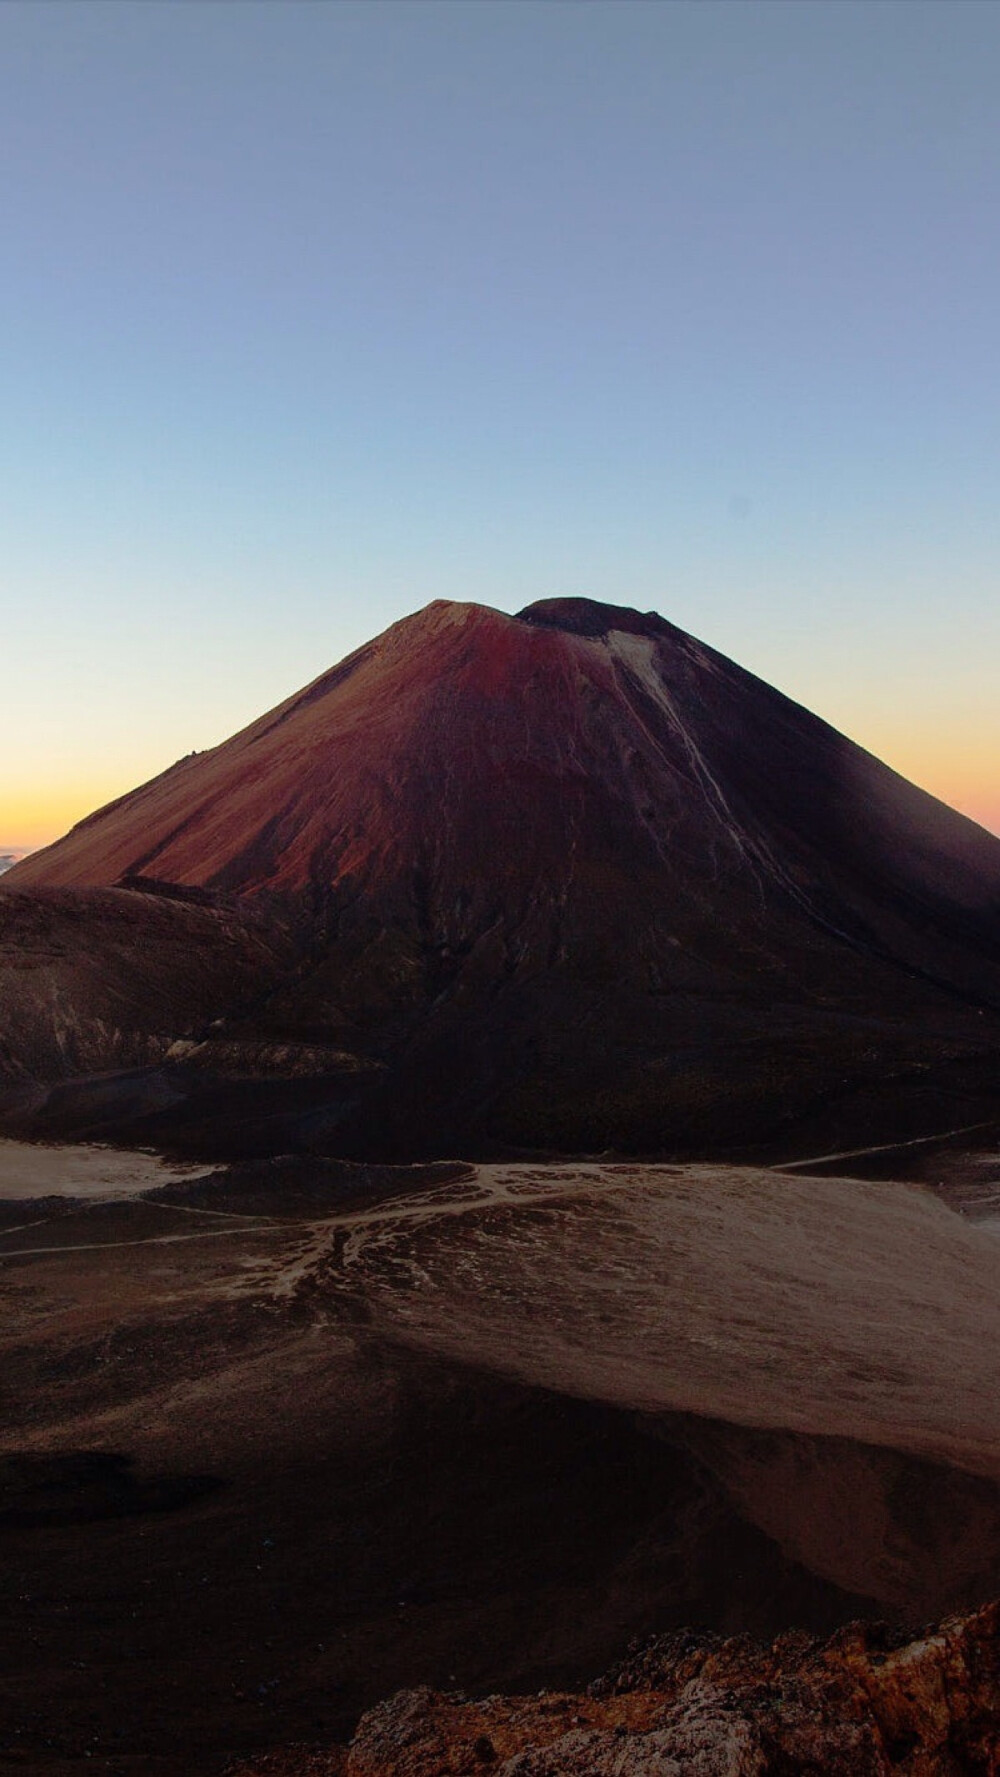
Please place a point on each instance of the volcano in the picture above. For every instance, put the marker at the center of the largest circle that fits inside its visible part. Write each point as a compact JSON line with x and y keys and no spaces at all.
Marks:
{"x":566,"y":881}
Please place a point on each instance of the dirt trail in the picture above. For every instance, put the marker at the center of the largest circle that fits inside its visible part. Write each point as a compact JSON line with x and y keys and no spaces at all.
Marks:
{"x":890,"y":1147}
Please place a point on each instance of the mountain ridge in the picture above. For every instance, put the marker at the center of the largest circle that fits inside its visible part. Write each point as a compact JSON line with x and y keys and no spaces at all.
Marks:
{"x":66,"y":863}
{"x":571,"y":876}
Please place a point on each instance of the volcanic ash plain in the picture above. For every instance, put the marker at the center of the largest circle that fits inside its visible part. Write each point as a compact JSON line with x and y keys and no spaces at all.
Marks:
{"x":287,"y":1437}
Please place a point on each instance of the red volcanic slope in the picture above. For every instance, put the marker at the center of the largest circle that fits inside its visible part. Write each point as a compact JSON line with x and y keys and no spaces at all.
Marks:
{"x":464,"y":744}
{"x":451,"y":710}
{"x":568,"y":879}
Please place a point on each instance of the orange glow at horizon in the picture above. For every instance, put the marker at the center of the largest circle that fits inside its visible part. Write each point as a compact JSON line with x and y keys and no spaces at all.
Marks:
{"x":965,"y":780}
{"x":30,"y":819}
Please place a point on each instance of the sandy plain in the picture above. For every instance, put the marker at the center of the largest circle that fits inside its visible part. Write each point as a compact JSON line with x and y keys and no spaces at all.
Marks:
{"x":280,"y":1440}
{"x":836,"y":1306}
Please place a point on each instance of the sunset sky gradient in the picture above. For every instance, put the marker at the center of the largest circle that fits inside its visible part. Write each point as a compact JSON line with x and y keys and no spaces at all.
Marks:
{"x":312,"y":313}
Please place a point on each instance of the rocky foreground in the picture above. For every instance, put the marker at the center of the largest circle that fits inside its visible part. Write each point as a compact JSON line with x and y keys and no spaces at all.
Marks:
{"x":865,"y":1703}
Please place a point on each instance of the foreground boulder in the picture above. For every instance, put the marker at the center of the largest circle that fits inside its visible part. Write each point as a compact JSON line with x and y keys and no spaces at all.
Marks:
{"x":863,"y":1704}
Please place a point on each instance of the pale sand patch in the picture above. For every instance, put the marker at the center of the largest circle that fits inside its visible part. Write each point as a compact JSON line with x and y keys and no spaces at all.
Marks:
{"x":29,"y":1169}
{"x":864,"y":1310}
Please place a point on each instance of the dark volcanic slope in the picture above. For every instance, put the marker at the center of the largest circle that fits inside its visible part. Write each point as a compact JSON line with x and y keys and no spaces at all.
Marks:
{"x":574,"y":878}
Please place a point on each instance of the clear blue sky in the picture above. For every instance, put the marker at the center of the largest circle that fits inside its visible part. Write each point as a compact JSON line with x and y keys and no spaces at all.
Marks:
{"x":311,"y":313}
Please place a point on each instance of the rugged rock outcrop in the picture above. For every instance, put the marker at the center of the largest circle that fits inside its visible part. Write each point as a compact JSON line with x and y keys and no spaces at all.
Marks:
{"x":866,"y":1703}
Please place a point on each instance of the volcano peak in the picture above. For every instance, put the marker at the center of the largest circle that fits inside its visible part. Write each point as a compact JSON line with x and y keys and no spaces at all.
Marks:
{"x":568,"y":875}
{"x":590,"y":617}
